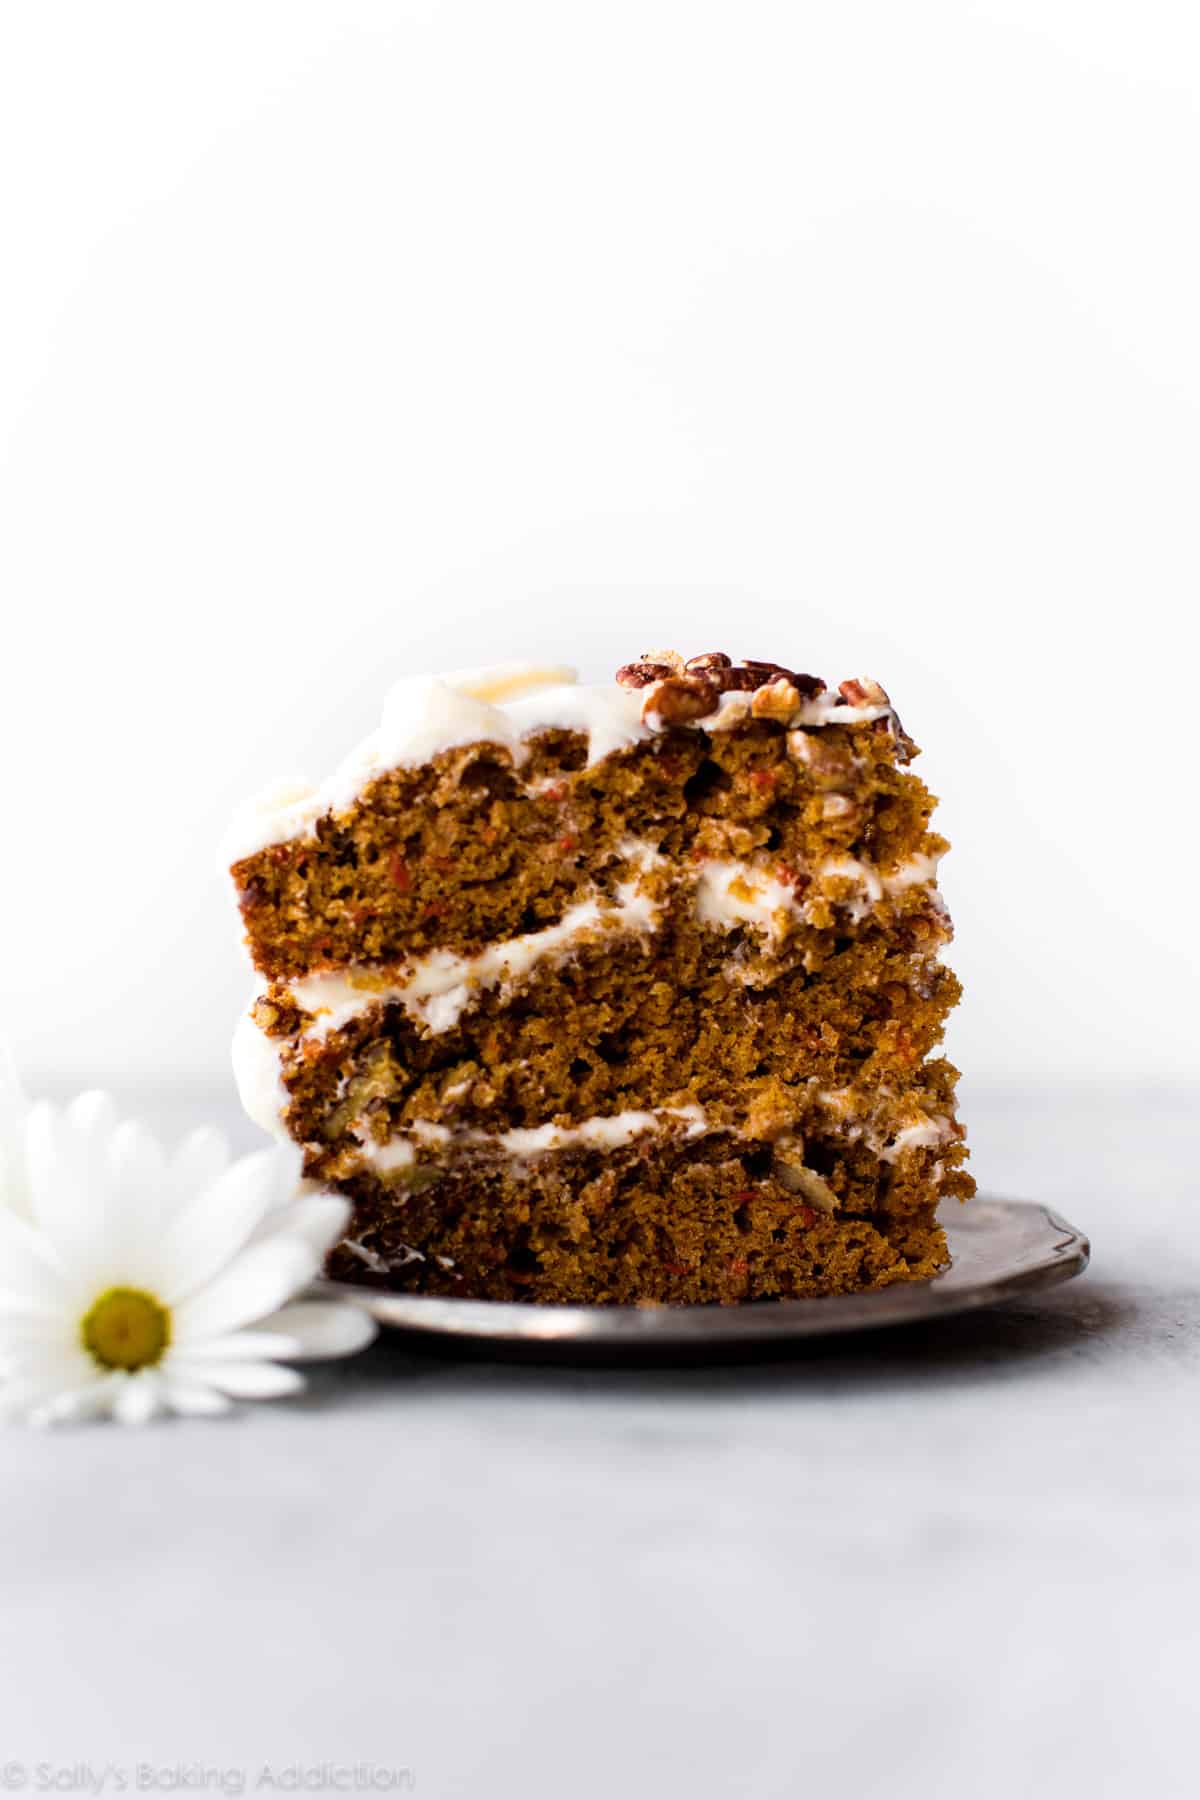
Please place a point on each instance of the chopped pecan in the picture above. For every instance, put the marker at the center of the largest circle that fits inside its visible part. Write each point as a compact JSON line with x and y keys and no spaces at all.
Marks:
{"x":680,"y":699}
{"x":265,"y":1015}
{"x":778,"y":700}
{"x":906,"y":749}
{"x":789,"y":1171}
{"x":641,"y":674}
{"x":863,"y":693}
{"x":717,"y":667}
{"x":838,"y":806}
{"x":830,"y":764}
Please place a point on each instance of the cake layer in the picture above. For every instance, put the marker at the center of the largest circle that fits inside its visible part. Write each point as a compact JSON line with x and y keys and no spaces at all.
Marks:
{"x":624,"y":1023}
{"x":844,"y":1149}
{"x":681,"y":1224}
{"x":474,"y":847}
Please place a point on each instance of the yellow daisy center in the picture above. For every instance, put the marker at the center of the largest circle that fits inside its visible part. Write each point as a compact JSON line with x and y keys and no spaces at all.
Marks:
{"x":126,"y":1329}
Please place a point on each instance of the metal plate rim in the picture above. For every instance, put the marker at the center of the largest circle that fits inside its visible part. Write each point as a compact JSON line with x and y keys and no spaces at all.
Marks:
{"x":1000,"y":1249}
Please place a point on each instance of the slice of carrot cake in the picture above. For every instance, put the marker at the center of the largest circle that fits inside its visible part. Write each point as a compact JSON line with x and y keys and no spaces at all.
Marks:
{"x":614,"y":993}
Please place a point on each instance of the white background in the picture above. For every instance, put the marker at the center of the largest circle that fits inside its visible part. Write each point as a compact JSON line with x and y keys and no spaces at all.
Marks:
{"x":338,"y":341}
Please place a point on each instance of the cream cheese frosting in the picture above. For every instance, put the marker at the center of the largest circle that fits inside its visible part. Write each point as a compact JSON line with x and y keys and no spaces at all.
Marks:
{"x":258,"y":1076}
{"x":438,"y":987}
{"x":875,"y":1127}
{"x":611,"y":1131}
{"x":730,"y":893}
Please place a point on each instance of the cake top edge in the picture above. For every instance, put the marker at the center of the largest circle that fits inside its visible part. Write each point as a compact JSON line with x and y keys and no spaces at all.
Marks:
{"x":505,"y":703}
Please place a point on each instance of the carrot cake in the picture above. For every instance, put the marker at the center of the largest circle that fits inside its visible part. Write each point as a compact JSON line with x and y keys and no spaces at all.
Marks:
{"x":614,"y":993}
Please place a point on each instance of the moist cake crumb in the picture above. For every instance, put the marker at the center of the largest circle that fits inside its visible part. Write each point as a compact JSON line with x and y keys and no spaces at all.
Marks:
{"x":619,"y":994}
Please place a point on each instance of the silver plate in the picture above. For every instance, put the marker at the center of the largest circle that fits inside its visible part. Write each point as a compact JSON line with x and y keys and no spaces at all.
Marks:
{"x":1000,"y":1249}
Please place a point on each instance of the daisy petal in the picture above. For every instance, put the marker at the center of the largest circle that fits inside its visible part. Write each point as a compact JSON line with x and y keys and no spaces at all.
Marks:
{"x":14,"y":1109}
{"x":52,"y":1199}
{"x":257,"y":1283}
{"x":137,"y":1174}
{"x":138,"y":1398}
{"x":193,"y":1399}
{"x":210,"y":1231}
{"x":237,"y":1346}
{"x":29,"y":1270}
{"x":14,"y":1102}
{"x":33,"y":1383}
{"x":324,"y":1328}
{"x":91,"y":1118}
{"x":254,"y":1381}
{"x":200,"y":1159}
{"x":85,"y":1402}
{"x":28,"y":1312}
{"x":68,"y":1189}
{"x":23,"y":1331}
{"x":319,"y":1218}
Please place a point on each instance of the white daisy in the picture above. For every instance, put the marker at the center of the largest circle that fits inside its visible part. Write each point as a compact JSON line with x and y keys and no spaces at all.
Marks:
{"x":133,"y":1283}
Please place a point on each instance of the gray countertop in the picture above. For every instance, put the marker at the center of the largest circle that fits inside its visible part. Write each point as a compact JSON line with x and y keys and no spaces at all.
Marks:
{"x":956,"y":1560}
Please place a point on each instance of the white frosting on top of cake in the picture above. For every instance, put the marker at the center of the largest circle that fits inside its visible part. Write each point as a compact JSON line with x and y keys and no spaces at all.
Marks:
{"x":424,"y":715}
{"x":498,"y":683}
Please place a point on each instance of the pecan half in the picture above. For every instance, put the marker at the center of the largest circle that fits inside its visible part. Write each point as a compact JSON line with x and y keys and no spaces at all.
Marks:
{"x":758,"y":674}
{"x":671,"y":658}
{"x":711,"y":662}
{"x":679,"y":699}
